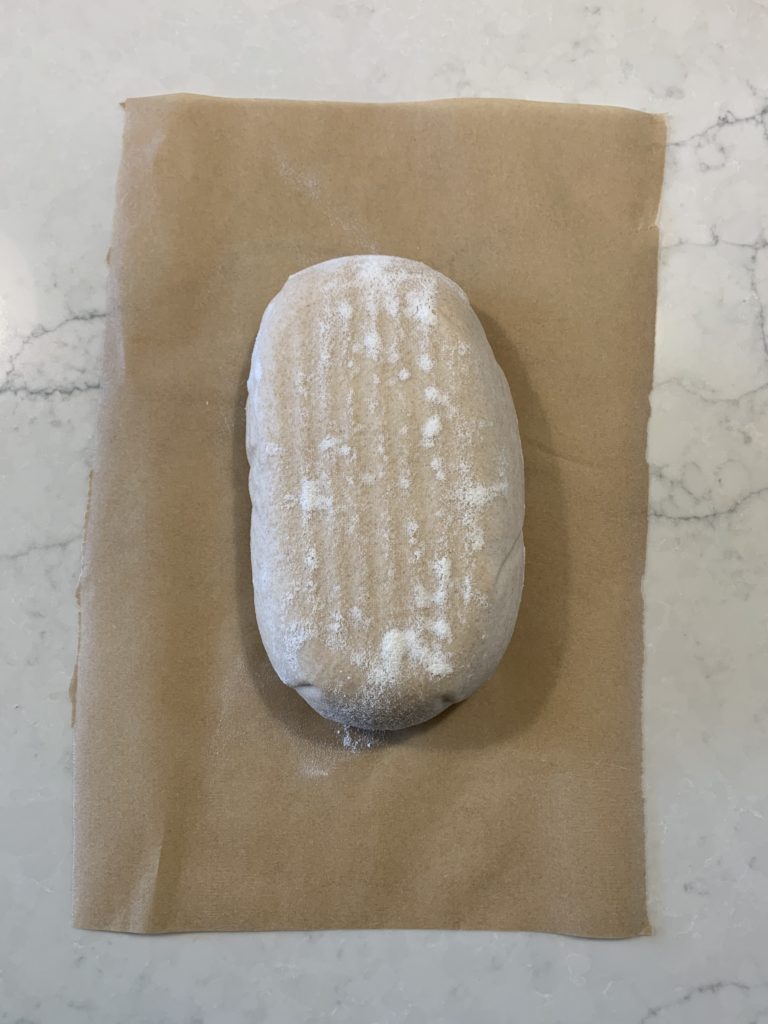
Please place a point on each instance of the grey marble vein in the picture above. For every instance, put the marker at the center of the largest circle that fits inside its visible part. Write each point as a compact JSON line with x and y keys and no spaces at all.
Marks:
{"x":701,"y":993}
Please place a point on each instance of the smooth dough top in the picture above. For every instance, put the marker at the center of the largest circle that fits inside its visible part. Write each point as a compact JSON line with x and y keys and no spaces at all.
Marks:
{"x":387,"y":487}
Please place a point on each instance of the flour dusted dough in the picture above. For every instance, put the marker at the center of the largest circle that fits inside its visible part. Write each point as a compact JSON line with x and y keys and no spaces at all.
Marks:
{"x":387,"y":487}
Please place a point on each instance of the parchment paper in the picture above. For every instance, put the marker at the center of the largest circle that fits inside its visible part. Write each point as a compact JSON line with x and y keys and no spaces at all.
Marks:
{"x":208,"y":796}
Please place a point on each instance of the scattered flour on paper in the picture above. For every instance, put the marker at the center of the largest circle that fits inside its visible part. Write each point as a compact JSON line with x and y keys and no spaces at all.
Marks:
{"x":355,"y":740}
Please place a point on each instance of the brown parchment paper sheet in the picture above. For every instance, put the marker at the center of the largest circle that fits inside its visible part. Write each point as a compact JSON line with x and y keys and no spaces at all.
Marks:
{"x":207,"y":795}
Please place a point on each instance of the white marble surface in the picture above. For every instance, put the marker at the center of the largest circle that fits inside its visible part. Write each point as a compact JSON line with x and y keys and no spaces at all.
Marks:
{"x":64,"y":66}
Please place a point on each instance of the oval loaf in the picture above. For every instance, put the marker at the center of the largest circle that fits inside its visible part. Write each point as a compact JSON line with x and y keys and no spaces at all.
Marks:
{"x":386,"y":477}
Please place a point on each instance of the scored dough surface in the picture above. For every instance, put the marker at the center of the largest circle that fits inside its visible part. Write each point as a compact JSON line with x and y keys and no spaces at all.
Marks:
{"x":386,"y":477}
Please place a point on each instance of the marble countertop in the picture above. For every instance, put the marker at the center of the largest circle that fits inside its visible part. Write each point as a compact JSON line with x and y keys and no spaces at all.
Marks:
{"x":64,"y":67}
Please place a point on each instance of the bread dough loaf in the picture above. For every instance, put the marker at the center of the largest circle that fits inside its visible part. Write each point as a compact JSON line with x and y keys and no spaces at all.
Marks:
{"x":386,"y":477}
